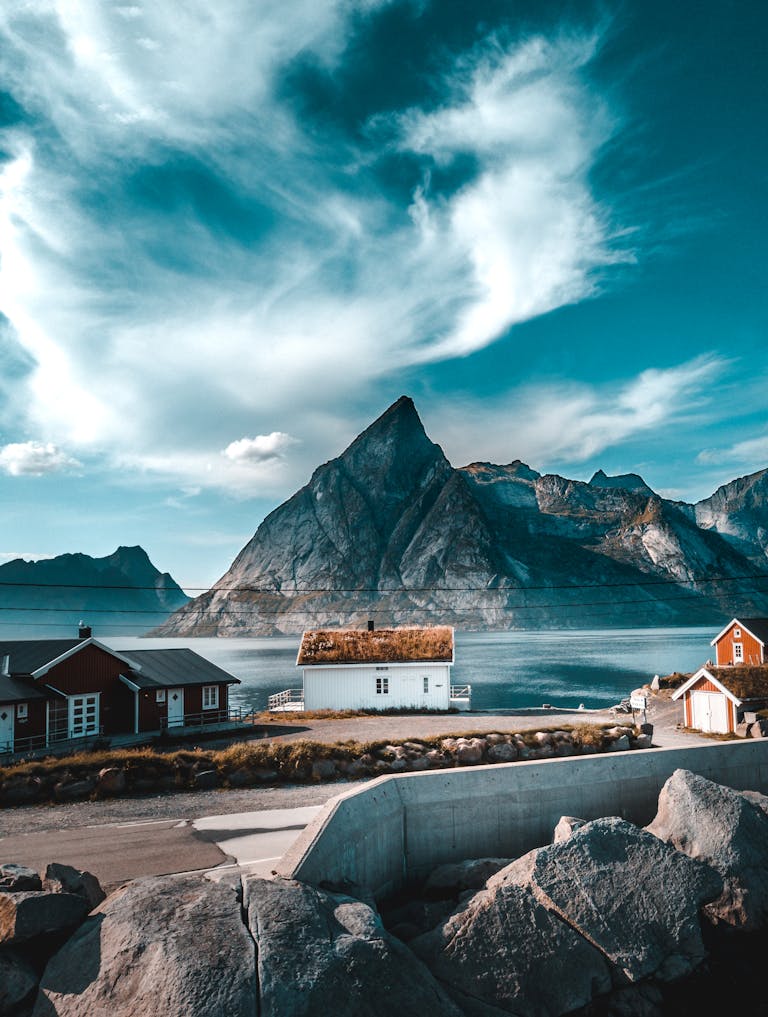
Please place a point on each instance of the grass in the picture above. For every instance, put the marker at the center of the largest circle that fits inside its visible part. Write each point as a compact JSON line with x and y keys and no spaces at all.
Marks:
{"x":356,"y":646}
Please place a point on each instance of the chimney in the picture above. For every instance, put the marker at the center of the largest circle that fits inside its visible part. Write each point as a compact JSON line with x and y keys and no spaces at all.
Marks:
{"x":5,"y":665}
{"x":370,"y":625}
{"x":84,"y":631}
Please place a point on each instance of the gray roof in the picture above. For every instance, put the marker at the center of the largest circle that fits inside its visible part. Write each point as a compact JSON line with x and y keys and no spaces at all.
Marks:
{"x":27,"y":655}
{"x":170,"y":668}
{"x":14,"y":691}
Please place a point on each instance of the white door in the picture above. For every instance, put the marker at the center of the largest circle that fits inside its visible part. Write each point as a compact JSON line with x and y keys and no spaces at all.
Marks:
{"x":83,"y":716}
{"x":710,"y":712}
{"x":410,"y":691}
{"x":6,"y":729}
{"x":175,"y":707}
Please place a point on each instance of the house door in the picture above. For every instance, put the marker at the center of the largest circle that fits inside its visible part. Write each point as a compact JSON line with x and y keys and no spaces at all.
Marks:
{"x":6,"y":729}
{"x":710,"y":712}
{"x":83,"y":716}
{"x":175,"y":707}
{"x":410,"y":687}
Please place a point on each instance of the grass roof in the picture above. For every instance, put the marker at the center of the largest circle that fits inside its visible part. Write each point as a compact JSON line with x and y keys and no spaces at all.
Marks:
{"x":383,"y":646}
{"x":743,"y":681}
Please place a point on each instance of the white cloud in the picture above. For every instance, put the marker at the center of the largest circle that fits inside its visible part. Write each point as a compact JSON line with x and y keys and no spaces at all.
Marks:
{"x":34,"y":459}
{"x":26,"y":555}
{"x":752,"y":451}
{"x":260,"y":449}
{"x":567,"y":422}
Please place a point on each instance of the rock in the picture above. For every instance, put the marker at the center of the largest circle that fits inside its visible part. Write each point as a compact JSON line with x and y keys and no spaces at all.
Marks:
{"x":323,"y":769}
{"x":635,"y":897}
{"x":15,"y":877}
{"x":17,"y":980}
{"x":508,"y":951}
{"x":759,"y":729}
{"x":28,"y":914}
{"x":242,"y":778}
{"x":322,"y":953}
{"x":414,"y":746}
{"x":397,"y":765}
{"x":111,"y":781}
{"x":542,"y":738}
{"x":642,"y":1000}
{"x":469,"y":751}
{"x":643,"y":741}
{"x":456,"y":877}
{"x":420,"y":763}
{"x":448,"y":744}
{"x":66,"y":879}
{"x":495,"y":739}
{"x":565,"y":827}
{"x":620,"y":744}
{"x":22,"y":791}
{"x":502,"y":752}
{"x":727,"y":830}
{"x":205,"y":780}
{"x":564,"y":748}
{"x":655,"y":683}
{"x":742,"y":730}
{"x":172,"y":946}
{"x":73,"y":790}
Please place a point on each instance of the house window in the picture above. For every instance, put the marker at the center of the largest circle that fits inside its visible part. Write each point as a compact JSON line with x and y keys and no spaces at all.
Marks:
{"x":738,"y":653}
{"x":210,"y":697}
{"x":382,"y":686}
{"x":22,"y":712}
{"x":426,"y":685}
{"x":737,"y":633}
{"x":160,"y":696}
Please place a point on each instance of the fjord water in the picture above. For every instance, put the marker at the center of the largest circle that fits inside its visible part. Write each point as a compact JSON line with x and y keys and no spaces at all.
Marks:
{"x":507,"y":670}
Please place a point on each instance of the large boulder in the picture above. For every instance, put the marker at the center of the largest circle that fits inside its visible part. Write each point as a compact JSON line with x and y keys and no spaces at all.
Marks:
{"x":634,"y":897}
{"x":17,"y":980}
{"x":66,"y":879}
{"x":728,"y":830}
{"x":323,"y":953}
{"x":507,"y":951}
{"x":171,"y":946}
{"x":29,"y":914}
{"x":454,"y":878}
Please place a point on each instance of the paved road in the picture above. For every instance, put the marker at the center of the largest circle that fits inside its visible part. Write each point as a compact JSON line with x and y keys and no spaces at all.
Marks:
{"x":120,"y":851}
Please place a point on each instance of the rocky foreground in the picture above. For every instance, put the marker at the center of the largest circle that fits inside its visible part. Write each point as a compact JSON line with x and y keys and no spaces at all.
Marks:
{"x":609,"y":919}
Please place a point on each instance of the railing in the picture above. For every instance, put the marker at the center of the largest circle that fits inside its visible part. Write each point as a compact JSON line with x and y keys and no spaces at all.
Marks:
{"x":289,"y":699}
{"x":36,"y":743}
{"x":461,"y":691}
{"x":235,"y":715}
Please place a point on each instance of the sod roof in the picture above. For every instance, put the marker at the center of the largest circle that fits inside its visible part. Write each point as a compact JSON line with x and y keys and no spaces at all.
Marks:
{"x":383,"y":646}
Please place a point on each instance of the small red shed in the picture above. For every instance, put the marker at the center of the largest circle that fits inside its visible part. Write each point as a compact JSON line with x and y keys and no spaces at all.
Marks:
{"x":742,"y":641}
{"x":715,"y":698}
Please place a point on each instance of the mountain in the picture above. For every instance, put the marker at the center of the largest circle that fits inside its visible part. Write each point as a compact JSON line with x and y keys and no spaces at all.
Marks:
{"x":391,"y":531}
{"x":121,"y":594}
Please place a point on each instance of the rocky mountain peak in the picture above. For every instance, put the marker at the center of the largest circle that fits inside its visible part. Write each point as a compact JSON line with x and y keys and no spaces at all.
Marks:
{"x":625,"y":481}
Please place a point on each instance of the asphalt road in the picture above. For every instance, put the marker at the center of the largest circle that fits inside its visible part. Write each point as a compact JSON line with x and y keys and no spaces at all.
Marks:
{"x":118,"y":852}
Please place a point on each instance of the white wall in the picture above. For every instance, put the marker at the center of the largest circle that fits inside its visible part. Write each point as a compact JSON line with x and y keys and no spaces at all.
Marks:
{"x":354,"y":688}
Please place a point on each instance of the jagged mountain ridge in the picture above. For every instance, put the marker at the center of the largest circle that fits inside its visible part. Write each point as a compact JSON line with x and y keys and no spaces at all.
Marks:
{"x":120,"y":594}
{"x":391,"y":531}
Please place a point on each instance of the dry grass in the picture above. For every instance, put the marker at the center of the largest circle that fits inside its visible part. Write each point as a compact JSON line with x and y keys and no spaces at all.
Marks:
{"x":353,"y":646}
{"x":743,"y":681}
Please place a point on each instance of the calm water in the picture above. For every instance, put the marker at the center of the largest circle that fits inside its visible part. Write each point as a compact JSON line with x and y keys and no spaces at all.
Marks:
{"x":507,"y":670}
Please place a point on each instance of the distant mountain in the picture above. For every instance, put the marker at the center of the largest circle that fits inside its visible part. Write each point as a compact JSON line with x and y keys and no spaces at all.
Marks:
{"x":122,"y":594}
{"x":391,"y":531}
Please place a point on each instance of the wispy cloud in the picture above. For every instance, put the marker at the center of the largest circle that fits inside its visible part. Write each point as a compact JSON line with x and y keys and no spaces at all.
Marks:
{"x":34,"y":459}
{"x":752,"y":452}
{"x":182,"y":260}
{"x":260,"y":449}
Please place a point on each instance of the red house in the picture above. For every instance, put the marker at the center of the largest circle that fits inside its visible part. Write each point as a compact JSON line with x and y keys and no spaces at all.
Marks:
{"x":742,"y":642}
{"x":53,"y":690}
{"x":715,"y":699}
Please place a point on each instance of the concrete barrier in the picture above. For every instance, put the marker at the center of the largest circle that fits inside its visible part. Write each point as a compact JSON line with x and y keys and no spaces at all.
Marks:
{"x":396,"y":829}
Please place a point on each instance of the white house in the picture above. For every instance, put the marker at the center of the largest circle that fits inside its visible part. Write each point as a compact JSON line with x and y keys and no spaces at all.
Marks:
{"x":349,"y":669}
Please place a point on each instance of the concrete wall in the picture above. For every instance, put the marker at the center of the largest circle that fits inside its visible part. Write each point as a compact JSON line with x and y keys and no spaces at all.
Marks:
{"x":398,"y":828}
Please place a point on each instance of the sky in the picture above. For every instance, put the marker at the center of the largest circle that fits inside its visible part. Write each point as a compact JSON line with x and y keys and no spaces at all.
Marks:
{"x":232,"y":234}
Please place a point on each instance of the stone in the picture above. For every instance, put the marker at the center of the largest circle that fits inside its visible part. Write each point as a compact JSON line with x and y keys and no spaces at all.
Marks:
{"x":242,"y":778}
{"x":456,"y":877}
{"x":542,"y":738}
{"x":15,"y":877}
{"x":742,"y":730}
{"x":397,"y":765}
{"x":643,"y":741}
{"x":565,"y":827}
{"x":636,"y":898}
{"x":323,"y":769}
{"x":502,"y":752}
{"x":323,"y":953}
{"x":172,"y":946}
{"x":495,"y":739}
{"x":66,"y":879}
{"x":729,"y":831}
{"x":655,"y":683}
{"x":28,"y":914}
{"x":205,"y":780}
{"x":73,"y":790}
{"x":420,"y":763}
{"x":22,"y":791}
{"x":469,"y":751}
{"x":620,"y":744}
{"x":111,"y":781}
{"x":18,"y":980}
{"x":506,"y":950}
{"x":564,"y":748}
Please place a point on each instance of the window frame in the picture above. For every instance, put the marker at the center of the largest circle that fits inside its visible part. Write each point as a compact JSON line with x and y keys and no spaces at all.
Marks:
{"x":160,"y":696}
{"x":211,"y":694}
{"x":22,"y":712}
{"x":738,"y":653}
{"x":382,"y":685}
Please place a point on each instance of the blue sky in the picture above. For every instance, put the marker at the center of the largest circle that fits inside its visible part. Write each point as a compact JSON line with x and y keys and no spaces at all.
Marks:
{"x":231,"y":234}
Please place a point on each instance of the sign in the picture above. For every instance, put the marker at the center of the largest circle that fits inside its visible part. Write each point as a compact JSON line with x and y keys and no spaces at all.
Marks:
{"x":638,"y":702}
